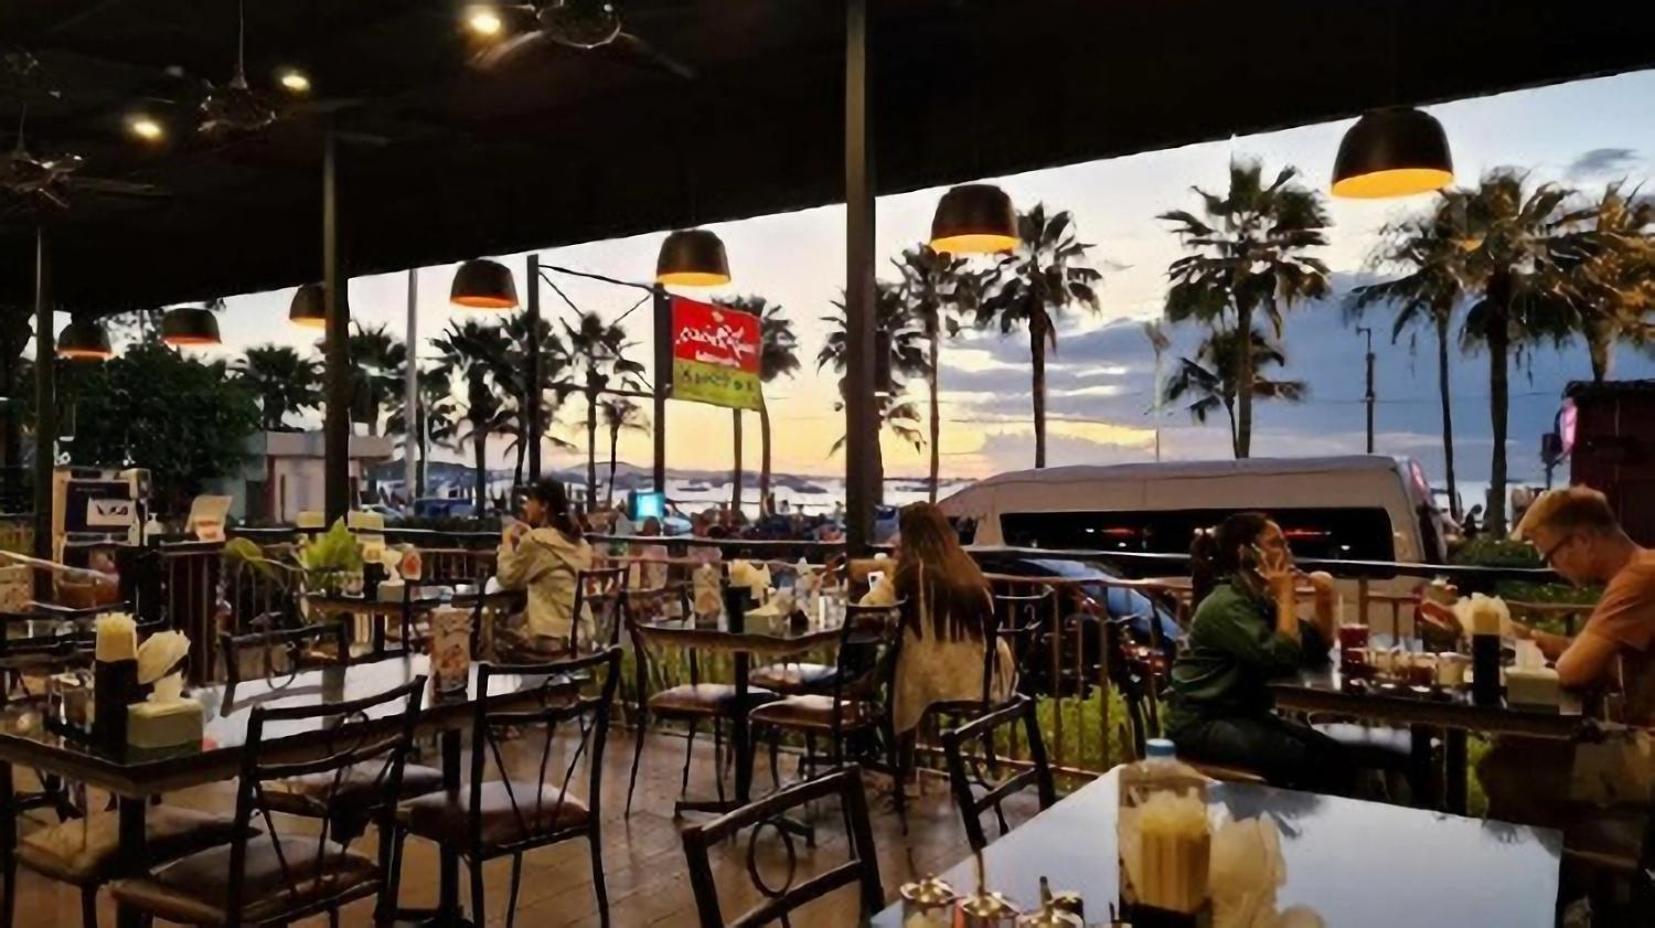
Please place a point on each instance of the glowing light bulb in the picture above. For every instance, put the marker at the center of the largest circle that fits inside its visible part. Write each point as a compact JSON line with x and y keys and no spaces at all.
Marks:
{"x":485,"y":21}
{"x":146,"y":128}
{"x":295,"y":81}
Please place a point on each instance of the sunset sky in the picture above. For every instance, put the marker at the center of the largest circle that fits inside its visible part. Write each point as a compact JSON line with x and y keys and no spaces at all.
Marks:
{"x":1585,"y":133}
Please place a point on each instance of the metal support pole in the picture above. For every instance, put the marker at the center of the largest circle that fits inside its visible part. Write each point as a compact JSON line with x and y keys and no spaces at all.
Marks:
{"x":337,"y":427}
{"x":1370,"y":396}
{"x":533,"y":321}
{"x":45,"y":401}
{"x":410,"y":394}
{"x":663,"y":386}
{"x":861,"y":435}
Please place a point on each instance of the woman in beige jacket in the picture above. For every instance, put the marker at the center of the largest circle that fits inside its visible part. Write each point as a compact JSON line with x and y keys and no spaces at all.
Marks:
{"x":544,"y":554}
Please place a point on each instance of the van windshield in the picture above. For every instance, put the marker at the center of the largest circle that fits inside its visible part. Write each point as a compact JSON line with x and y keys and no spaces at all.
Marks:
{"x":1353,"y":534}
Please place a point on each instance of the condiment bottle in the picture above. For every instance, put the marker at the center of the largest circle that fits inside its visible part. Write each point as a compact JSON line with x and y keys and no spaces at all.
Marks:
{"x":927,"y":903}
{"x":986,"y":910}
{"x":1050,"y":915}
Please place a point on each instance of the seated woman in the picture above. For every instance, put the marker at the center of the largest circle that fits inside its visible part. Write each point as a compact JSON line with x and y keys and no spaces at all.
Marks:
{"x":947,"y":618}
{"x":543,"y":554}
{"x":649,"y":571}
{"x":1246,"y":633}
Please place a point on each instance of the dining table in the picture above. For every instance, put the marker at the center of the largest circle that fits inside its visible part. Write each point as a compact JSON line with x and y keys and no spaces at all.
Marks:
{"x":1357,"y":864}
{"x":409,"y":602}
{"x":1446,"y":712}
{"x":743,"y":635}
{"x":30,"y":736}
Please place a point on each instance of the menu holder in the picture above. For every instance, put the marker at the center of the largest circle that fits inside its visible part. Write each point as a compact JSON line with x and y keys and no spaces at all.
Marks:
{"x":114,"y":687}
{"x":1147,"y":916}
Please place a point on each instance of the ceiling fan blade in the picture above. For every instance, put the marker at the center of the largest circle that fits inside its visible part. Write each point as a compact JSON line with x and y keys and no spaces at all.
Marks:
{"x":628,"y":44}
{"x":122,"y":188}
{"x":513,"y":50}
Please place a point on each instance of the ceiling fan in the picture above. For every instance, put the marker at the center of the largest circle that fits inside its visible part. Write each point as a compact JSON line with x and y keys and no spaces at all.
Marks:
{"x":40,"y":182}
{"x":236,"y":107}
{"x":586,"y":25}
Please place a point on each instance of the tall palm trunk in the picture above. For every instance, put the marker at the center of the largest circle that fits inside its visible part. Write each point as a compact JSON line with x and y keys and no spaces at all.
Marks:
{"x":614,"y":446}
{"x":1600,"y":344}
{"x":517,"y":466}
{"x":1244,"y":382}
{"x":422,"y":441}
{"x":1037,"y":355}
{"x":764,"y":449}
{"x":1443,"y":320}
{"x":735,"y":473}
{"x":1499,"y":396}
{"x":932,"y":377}
{"x":479,"y":439}
{"x":591,"y":443}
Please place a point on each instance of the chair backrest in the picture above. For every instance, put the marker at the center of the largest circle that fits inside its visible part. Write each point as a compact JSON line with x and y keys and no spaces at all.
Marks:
{"x":346,"y":741}
{"x":869,"y":642}
{"x":549,"y":695}
{"x":600,"y":591}
{"x":1021,"y":622}
{"x":298,"y":645}
{"x":862,"y":867}
{"x":964,"y":772}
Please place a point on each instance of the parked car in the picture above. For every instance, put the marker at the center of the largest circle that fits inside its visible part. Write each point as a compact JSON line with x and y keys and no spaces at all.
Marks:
{"x":443,"y":507}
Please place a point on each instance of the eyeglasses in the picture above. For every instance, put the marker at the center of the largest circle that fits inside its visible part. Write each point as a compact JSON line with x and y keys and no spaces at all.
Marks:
{"x":1547,"y":556}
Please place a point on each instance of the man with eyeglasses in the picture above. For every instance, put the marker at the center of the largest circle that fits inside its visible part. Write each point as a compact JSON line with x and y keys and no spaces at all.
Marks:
{"x":1575,"y":531}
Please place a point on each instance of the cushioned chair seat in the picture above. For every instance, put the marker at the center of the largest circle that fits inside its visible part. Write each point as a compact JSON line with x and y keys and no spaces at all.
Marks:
{"x":813,"y":712}
{"x":792,"y":678}
{"x":447,"y":819}
{"x":84,"y":852}
{"x":1611,"y":839}
{"x":1374,"y":746}
{"x":358,"y":790}
{"x":702,"y":699}
{"x":196,"y":889}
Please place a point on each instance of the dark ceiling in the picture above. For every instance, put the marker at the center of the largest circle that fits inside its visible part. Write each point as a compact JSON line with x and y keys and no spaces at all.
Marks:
{"x":448,"y":163}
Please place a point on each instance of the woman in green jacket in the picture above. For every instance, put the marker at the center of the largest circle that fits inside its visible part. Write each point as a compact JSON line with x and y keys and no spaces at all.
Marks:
{"x":1246,"y":633}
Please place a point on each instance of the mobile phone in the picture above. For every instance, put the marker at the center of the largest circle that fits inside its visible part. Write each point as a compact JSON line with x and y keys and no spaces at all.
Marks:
{"x":1251,"y":558}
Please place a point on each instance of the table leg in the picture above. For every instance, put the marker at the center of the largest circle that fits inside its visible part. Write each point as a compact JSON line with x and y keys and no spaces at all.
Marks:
{"x":8,"y":846}
{"x":1454,"y":769}
{"x":1422,"y":768}
{"x":448,"y":887}
{"x":134,"y":852}
{"x":741,"y":733}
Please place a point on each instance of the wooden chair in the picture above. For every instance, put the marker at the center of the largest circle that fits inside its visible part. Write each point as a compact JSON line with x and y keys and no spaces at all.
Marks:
{"x":966,"y":776}
{"x":514,"y":814}
{"x":321,"y":644}
{"x":693,"y":703}
{"x":275,"y":878}
{"x":602,"y":593}
{"x":859,"y":699}
{"x":861,"y":869}
{"x":1022,"y":621}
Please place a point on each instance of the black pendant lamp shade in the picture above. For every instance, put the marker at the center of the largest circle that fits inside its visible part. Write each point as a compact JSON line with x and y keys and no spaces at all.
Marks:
{"x":974,"y":219}
{"x":84,"y":340}
{"x":309,"y":307}
{"x":190,"y":325}
{"x":483,"y":284}
{"x":692,"y":258}
{"x":1392,"y":152}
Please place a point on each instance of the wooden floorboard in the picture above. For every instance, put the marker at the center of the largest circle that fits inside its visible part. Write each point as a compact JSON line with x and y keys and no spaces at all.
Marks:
{"x":643,"y":857}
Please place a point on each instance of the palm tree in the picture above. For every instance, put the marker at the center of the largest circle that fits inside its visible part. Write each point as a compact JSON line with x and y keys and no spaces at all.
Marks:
{"x":907,"y":359}
{"x":283,"y":380}
{"x":936,"y":286}
{"x":1513,"y":263}
{"x":778,"y":357}
{"x":1032,"y":287}
{"x":477,"y":356}
{"x":379,"y":363}
{"x":436,"y":420}
{"x":620,"y":414}
{"x":1614,"y":274}
{"x":1248,"y":252}
{"x":1427,"y":251}
{"x":1212,"y":379}
{"x":554,"y":386}
{"x":598,"y":349}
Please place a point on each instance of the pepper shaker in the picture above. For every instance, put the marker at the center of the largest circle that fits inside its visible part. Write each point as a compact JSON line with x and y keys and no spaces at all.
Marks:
{"x":927,"y":903}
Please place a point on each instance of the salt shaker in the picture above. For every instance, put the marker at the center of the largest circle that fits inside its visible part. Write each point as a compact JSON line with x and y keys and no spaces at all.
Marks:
{"x":985,"y":909}
{"x":927,"y":903}
{"x":1050,"y":915}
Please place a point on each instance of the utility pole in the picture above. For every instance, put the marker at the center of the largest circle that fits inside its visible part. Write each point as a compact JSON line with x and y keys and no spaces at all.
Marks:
{"x":1370,"y":397}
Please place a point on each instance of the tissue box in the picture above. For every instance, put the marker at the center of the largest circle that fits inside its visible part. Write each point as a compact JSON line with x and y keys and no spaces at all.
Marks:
{"x":1532,"y":687}
{"x":163,"y":724}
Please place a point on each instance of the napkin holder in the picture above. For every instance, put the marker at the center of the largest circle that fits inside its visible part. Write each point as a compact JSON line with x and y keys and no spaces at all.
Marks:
{"x":1530,"y":682}
{"x":166,"y":720}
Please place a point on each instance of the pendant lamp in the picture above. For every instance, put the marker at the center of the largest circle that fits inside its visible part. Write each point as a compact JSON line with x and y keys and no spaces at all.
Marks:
{"x":190,"y":325}
{"x":84,"y":340}
{"x":1392,"y":152}
{"x":974,"y":219}
{"x":692,"y":258}
{"x":309,"y":307}
{"x":483,"y":284}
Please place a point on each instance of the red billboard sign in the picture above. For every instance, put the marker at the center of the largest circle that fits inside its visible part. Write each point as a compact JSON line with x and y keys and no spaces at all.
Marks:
{"x":715,"y":355}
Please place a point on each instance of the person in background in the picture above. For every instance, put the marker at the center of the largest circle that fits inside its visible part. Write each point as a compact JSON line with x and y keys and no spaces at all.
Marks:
{"x":702,"y":526}
{"x":1528,"y":780}
{"x":543,"y":554}
{"x":650,"y":571}
{"x":1246,"y":632}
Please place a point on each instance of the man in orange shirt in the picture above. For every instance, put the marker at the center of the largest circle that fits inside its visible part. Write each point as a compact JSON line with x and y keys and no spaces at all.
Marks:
{"x":1577,"y":535}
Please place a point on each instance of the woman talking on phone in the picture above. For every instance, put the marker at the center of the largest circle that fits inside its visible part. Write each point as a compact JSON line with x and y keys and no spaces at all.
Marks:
{"x":1246,"y":633}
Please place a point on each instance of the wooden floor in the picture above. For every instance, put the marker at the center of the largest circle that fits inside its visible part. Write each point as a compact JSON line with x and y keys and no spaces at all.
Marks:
{"x":643,"y":857}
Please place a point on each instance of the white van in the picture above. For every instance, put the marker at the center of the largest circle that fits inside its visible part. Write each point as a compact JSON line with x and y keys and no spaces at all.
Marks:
{"x":1360,"y":507}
